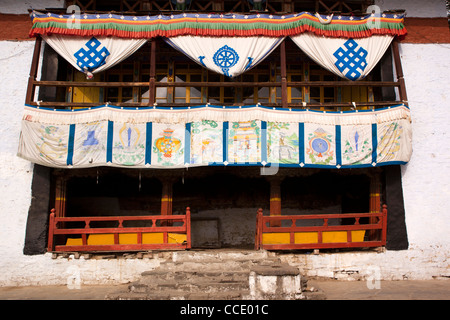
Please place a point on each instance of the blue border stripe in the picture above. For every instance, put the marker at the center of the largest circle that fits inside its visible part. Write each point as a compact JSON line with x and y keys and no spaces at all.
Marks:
{"x":338,"y":145}
{"x":225,"y":141}
{"x":187,"y":144}
{"x":263,"y":141}
{"x":301,"y":142}
{"x":109,"y":144}
{"x":148,"y":143}
{"x":374,"y":142}
{"x":70,"y":145}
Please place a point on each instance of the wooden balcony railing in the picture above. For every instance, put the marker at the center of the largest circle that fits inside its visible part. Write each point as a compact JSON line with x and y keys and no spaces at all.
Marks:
{"x":272,"y":235}
{"x":76,"y":234}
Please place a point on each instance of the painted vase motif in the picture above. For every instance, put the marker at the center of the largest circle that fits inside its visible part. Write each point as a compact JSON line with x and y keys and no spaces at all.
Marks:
{"x":168,"y":144}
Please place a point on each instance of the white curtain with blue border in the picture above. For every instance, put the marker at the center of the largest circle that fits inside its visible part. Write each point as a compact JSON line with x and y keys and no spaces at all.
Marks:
{"x":352,"y":59}
{"x":93,"y":54}
{"x":230,"y":56}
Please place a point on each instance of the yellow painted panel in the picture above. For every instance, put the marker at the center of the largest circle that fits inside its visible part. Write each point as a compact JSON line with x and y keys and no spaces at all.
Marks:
{"x":306,"y":237}
{"x":100,"y":239}
{"x":85,"y":94}
{"x":74,"y":242}
{"x":127,"y":238}
{"x":334,"y":236}
{"x":276,"y":238}
{"x":154,"y":237}
{"x":358,"y":235}
{"x":176,"y":237}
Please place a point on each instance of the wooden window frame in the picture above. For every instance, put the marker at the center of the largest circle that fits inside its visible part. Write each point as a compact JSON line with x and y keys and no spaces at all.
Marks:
{"x":282,"y":80}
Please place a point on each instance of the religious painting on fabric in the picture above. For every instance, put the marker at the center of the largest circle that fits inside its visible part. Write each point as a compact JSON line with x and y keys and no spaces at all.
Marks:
{"x":206,"y":142}
{"x":393,"y":142}
{"x":50,"y":143}
{"x":129,"y":144}
{"x":356,"y":144}
{"x":213,"y":135}
{"x":168,"y":144}
{"x":90,"y":143}
{"x":282,"y":142}
{"x":320,"y":144}
{"x":244,"y":142}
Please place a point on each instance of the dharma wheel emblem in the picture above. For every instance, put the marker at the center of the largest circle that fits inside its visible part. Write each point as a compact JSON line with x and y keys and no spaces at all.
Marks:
{"x":225,"y":58}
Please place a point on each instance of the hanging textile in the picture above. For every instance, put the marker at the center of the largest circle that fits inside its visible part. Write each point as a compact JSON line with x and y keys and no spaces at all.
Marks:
{"x":348,"y":58}
{"x":214,"y":25}
{"x":230,"y":56}
{"x":157,"y":137}
{"x":93,"y":54}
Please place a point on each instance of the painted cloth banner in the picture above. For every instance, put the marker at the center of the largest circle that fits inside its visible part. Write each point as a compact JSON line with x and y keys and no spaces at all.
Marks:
{"x":230,"y":56}
{"x":348,"y":58}
{"x":213,"y":135}
{"x":93,"y":54}
{"x":215,"y":25}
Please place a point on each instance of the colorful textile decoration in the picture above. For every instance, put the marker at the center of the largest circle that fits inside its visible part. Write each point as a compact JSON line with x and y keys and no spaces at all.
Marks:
{"x":348,"y":58}
{"x":157,"y":137}
{"x":230,"y":56}
{"x":93,"y":54}
{"x":214,"y":25}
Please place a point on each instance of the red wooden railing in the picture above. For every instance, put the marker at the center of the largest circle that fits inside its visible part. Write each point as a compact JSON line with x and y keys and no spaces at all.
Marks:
{"x":162,"y":226}
{"x":265,"y":225}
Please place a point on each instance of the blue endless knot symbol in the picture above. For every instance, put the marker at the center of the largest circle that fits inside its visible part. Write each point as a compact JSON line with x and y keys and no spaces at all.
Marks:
{"x":351,"y":59}
{"x":225,"y":58}
{"x":93,"y":57}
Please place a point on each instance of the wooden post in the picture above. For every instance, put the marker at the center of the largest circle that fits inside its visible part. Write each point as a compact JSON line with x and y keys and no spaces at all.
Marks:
{"x":375,"y":202}
{"x":166,"y":198}
{"x":51,"y":226}
{"x":273,"y":78}
{"x":152,"y":80}
{"x":60,"y":196}
{"x":384,"y":231}
{"x":283,"y":75}
{"x":188,"y":228}
{"x":399,"y":71}
{"x":33,"y":71}
{"x":171,"y":79}
{"x":259,"y":225}
{"x":275,"y":200}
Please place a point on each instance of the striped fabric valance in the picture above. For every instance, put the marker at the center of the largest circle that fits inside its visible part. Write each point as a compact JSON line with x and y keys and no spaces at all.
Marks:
{"x":217,"y":25}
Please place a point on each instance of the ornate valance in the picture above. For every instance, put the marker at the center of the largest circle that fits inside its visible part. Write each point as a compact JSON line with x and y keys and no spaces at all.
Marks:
{"x":160,"y":137}
{"x":215,"y":25}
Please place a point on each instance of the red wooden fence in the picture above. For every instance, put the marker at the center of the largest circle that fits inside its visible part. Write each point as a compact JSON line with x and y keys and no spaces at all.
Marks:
{"x":270,"y":225}
{"x":168,"y":234}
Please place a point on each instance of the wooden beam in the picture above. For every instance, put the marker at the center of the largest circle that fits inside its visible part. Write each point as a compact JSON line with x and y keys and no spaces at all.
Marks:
{"x":33,"y":71}
{"x":152,"y":81}
{"x":290,"y":105}
{"x":218,"y":84}
{"x":399,"y":71}
{"x":283,"y":75}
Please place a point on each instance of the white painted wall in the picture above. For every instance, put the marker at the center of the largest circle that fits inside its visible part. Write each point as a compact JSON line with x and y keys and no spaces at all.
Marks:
{"x":426,"y":186}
